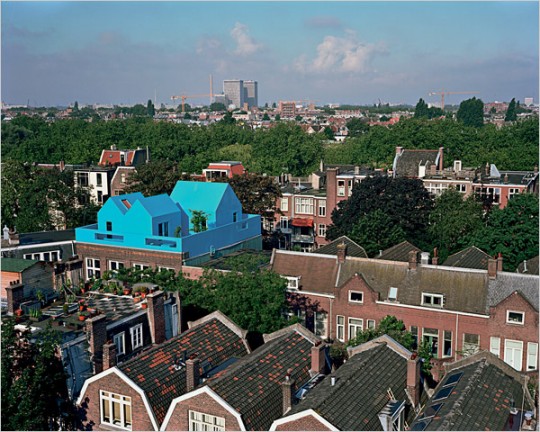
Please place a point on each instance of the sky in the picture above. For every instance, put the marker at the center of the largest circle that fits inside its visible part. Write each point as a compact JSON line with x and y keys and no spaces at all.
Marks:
{"x":55,"y":53}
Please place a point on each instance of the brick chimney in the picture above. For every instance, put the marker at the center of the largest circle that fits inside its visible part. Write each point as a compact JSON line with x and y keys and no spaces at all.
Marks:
{"x":492,"y":268}
{"x":399,"y":150}
{"x":441,"y":154}
{"x":287,"y":387}
{"x":499,"y":263}
{"x":96,"y":328}
{"x":318,"y":358}
{"x":435,"y":259}
{"x":109,"y":356}
{"x":61,"y":165}
{"x":156,"y":316}
{"x":192,"y":373}
{"x":413,"y":260}
{"x":413,"y":378}
{"x":341,"y":252}
{"x":15,"y":296}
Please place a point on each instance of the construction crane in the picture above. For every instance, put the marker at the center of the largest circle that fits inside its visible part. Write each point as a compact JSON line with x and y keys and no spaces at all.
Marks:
{"x":184,"y":97}
{"x":443,"y":93}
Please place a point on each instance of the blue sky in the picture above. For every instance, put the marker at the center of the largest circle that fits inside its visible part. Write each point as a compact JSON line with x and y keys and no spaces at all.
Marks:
{"x":54,"y":53}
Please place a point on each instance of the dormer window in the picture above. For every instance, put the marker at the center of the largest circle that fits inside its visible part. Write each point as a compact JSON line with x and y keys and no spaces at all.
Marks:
{"x":513,"y":317}
{"x":435,"y":300}
{"x":392,"y":294}
{"x":356,"y":297}
{"x":293,"y":282}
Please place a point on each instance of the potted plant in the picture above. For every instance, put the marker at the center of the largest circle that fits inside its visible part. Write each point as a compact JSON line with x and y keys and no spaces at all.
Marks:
{"x":35,"y":315}
{"x":144,"y":305}
{"x":19,"y":312}
{"x":40,"y":296}
{"x":82,"y":316}
{"x":127,"y":290}
{"x":66,"y":308}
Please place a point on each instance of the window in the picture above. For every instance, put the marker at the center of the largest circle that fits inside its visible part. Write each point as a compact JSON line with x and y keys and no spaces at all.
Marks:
{"x":414,"y":332}
{"x":435,"y":189}
{"x":431,"y":337}
{"x":495,"y":345}
{"x":471,"y":344}
{"x":322,"y":230}
{"x":304,"y":205}
{"x":44,"y":256}
{"x":532,"y":356}
{"x":115,"y":409}
{"x":341,"y":188}
{"x":371,"y":324}
{"x":512,"y":192}
{"x":122,"y":177}
{"x":293,"y":282}
{"x":493,"y":194}
{"x":461,"y":188}
{"x":447,"y":344}
{"x":513,"y":317}
{"x":392,"y":294}
{"x":136,"y":336}
{"x":234,"y":217}
{"x":205,"y":422}
{"x":116,"y":265}
{"x":513,"y":353}
{"x":284,"y":204}
{"x":322,"y":208}
{"x":162,"y":268}
{"x":93,"y":268}
{"x":163,"y":229}
{"x":120,"y":342}
{"x":435,"y":300}
{"x":99,"y":180}
{"x":100,"y":196}
{"x":141,"y":266}
{"x":284,"y":222}
{"x":350,"y":185}
{"x":340,"y":328}
{"x":109,"y":226}
{"x":82,"y":179}
{"x":320,"y":324}
{"x":356,"y":296}
{"x":356,"y":325}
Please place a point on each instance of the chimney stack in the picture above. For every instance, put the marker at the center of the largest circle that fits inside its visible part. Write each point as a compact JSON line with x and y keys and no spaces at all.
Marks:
{"x":156,"y":316}
{"x":15,"y":296}
{"x":499,"y":263}
{"x":435,"y":259}
{"x":413,"y":260}
{"x":318,"y":358}
{"x":424,"y":258}
{"x":492,"y":268}
{"x":287,"y":387}
{"x":96,"y":329}
{"x":6,"y":232}
{"x":399,"y":150}
{"x":192,"y":373}
{"x":413,"y":378}
{"x":341,"y":252}
{"x":109,"y":356}
{"x":441,"y":153}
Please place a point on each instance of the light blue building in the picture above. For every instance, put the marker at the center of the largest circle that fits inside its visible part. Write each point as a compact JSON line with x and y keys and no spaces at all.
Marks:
{"x":159,"y":231}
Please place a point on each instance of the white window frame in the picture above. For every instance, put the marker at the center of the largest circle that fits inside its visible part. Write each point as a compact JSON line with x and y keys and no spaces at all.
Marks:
{"x":140,"y":266}
{"x":116,"y":265}
{"x":507,"y":358}
{"x":512,"y":192}
{"x":340,"y":328}
{"x":508,"y":321}
{"x":392,"y":290}
{"x":112,"y":399}
{"x":431,"y":303}
{"x":495,"y":345}
{"x":356,"y":292}
{"x":532,"y":356}
{"x":461,"y":188}
{"x":120,"y":343}
{"x":42,"y":257}
{"x":354,"y":328}
{"x":321,"y":230}
{"x":322,"y":208}
{"x":284,"y":222}
{"x":371,"y":324}
{"x":445,"y":339}
{"x":136,"y":333}
{"x":321,"y":324}
{"x":469,"y":348}
{"x":199,"y":421}
{"x":122,"y":178}
{"x":303,"y":205}
{"x":284,"y":205}
{"x":93,"y":269}
{"x":341,"y":188}
{"x":350,"y":186}
{"x":293,"y":282}
{"x":432,"y":335}
{"x":166,"y":268}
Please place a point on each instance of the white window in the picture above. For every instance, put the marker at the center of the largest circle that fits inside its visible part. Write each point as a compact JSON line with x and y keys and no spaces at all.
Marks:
{"x":341,"y":188}
{"x":160,"y":268}
{"x":495,"y":345}
{"x":122,"y":177}
{"x":430,"y":336}
{"x":284,"y":222}
{"x":436,"y":189}
{"x":322,"y":230}
{"x":141,"y":266}
{"x":320,"y":324}
{"x":322,"y":208}
{"x":513,"y":353}
{"x":447,"y":344}
{"x":293,"y":282}
{"x":340,"y":328}
{"x":116,"y":265}
{"x":136,"y":336}
{"x":205,"y":422}
{"x":471,"y":344}
{"x":284,"y":204}
{"x":115,"y":409}
{"x":432,"y":300}
{"x":93,"y":268}
{"x":100,"y":196}
{"x":513,"y":317}
{"x":356,"y":296}
{"x":350,"y":185}
{"x":50,"y":256}
{"x":356,"y":325}
{"x":532,"y":356}
{"x":304,"y":205}
{"x":392,"y":294}
{"x":512,"y":192}
{"x":371,"y":324}
{"x":461,"y":188}
{"x":120,"y":342}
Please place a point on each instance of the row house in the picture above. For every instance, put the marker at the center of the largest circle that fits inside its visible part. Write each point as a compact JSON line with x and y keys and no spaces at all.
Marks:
{"x":197,"y":222}
{"x":458,"y":311}
{"x":223,"y":169}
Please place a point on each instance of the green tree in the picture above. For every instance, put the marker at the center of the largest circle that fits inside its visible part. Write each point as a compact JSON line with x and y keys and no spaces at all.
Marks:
{"x":298,"y":118}
{"x":277,"y":117}
{"x":34,"y":392}
{"x":328,"y":133}
{"x":198,"y":220}
{"x":471,"y":112}
{"x":228,"y":119}
{"x":266,"y":117}
{"x":150,"y":109}
{"x":153,"y":178}
{"x":217,"y":106}
{"x":511,"y":114}
{"x":357,"y":127}
{"x":421,"y":110}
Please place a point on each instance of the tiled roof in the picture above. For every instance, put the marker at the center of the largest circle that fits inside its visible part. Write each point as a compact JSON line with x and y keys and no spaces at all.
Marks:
{"x":16,"y":265}
{"x":529,"y":266}
{"x":472,"y":257}
{"x":252,"y":386}
{"x":479,"y":401}
{"x":506,"y":283}
{"x":399,"y":252}
{"x":408,"y":162}
{"x":353,"y":249}
{"x":360,"y":391}
{"x":154,"y":370}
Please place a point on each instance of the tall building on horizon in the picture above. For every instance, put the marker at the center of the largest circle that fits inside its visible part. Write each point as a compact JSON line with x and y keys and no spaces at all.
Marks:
{"x":234,"y":92}
{"x":251,"y":96}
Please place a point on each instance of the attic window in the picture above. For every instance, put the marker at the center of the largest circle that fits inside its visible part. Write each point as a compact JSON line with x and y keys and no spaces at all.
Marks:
{"x":126,"y":203}
{"x":435,"y":300}
{"x":293,"y":282}
{"x":513,"y":317}
{"x":356,"y":296}
{"x":392,"y":294}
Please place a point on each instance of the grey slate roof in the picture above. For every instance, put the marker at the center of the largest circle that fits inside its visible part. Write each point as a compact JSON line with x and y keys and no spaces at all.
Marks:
{"x":479,"y":401}
{"x":507,"y":283}
{"x":531,"y":266}
{"x":472,"y":257}
{"x":399,"y":252}
{"x":353,"y":248}
{"x":409,"y":160}
{"x":360,"y":392}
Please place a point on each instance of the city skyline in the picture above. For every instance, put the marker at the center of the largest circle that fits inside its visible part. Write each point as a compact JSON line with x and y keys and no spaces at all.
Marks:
{"x":55,"y":53}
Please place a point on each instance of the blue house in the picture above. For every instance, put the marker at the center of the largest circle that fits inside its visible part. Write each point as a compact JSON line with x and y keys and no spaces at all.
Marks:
{"x":161,"y":231}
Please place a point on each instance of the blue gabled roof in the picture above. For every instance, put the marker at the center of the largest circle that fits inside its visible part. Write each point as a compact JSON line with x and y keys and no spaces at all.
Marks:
{"x":132,"y":198}
{"x":204,"y":196}
{"x":159,"y":205}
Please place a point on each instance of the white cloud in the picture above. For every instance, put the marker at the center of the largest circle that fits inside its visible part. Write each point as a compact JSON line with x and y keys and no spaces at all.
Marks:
{"x":245,"y":44}
{"x":340,"y":54}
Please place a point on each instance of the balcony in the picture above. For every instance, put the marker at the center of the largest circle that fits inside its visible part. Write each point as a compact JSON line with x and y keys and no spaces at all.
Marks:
{"x":302,"y":238}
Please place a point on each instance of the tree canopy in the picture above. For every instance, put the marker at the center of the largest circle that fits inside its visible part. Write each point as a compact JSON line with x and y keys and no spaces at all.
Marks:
{"x":471,"y":112}
{"x":511,"y":113}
